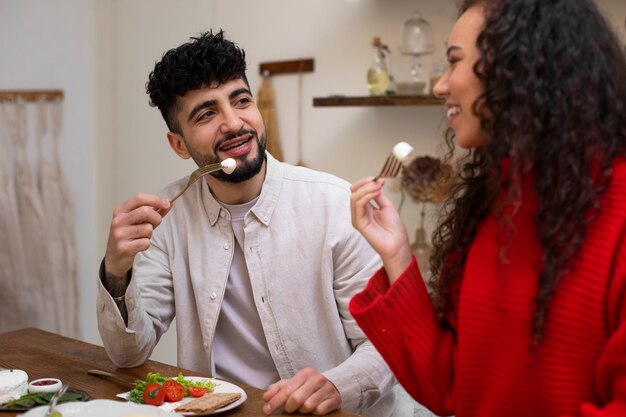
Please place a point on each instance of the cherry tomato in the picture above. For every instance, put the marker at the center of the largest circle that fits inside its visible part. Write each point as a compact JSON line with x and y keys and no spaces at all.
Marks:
{"x":197,"y":391}
{"x":153,"y":394}
{"x":174,"y":391}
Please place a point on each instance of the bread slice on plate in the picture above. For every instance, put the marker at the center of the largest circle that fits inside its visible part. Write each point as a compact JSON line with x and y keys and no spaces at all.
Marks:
{"x":208,"y":403}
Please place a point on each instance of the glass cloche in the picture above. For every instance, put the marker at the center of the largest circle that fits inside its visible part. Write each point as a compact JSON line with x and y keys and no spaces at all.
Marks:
{"x":417,"y":36}
{"x":417,"y":40}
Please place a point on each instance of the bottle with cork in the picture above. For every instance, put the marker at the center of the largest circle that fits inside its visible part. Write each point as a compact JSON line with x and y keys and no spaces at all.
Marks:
{"x":377,"y":73}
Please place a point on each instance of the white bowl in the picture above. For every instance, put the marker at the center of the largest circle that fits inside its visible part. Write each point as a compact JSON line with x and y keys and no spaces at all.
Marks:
{"x":101,"y":408}
{"x":44,"y":385}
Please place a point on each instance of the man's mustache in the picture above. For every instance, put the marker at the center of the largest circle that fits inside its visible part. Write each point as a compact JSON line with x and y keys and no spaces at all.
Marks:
{"x":233,"y":135}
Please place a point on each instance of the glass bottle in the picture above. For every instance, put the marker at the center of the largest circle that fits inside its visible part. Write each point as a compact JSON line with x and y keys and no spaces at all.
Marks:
{"x":377,"y":74}
{"x":391,"y":87}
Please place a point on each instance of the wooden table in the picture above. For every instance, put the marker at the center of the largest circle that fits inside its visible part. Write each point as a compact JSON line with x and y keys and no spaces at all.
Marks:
{"x":42,"y":354}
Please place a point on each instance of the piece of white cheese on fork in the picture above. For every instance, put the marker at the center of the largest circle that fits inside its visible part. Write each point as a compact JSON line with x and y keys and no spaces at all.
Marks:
{"x":402,"y":150}
{"x":228,"y":165}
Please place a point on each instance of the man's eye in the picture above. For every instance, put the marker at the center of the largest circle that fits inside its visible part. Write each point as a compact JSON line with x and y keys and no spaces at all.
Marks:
{"x":206,"y":115}
{"x":244,"y":100}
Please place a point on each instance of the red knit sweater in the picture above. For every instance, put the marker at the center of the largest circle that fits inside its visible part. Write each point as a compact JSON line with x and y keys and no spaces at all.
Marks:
{"x":579,"y":368}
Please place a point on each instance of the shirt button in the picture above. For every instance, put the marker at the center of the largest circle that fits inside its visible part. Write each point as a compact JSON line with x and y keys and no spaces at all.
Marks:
{"x":213,"y":296}
{"x":226,"y":246}
{"x":265,"y":218}
{"x":222,"y":213}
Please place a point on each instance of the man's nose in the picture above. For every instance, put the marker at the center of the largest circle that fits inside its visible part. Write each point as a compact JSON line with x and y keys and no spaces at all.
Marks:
{"x":231,"y":122}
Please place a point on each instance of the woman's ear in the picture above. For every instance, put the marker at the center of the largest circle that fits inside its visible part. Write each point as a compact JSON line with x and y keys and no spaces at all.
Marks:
{"x":178,"y":145}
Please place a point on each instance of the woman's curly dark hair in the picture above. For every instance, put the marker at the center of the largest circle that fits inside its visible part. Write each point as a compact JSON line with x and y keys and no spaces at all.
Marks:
{"x":554,"y":103}
{"x":203,"y":61}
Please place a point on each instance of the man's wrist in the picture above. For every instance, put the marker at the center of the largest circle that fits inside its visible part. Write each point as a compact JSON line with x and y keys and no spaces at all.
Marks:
{"x":114,"y":284}
{"x":116,"y":287}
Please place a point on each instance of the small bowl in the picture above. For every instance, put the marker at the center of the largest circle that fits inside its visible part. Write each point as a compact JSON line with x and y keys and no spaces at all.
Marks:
{"x":411,"y":88}
{"x":44,"y":385}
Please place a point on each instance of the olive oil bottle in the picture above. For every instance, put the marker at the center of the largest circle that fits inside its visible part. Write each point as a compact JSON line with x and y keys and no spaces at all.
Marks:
{"x":377,"y":74}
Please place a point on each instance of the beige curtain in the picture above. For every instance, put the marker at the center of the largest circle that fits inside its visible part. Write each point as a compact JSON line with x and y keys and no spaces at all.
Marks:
{"x":267,"y":107}
{"x":58,"y":204}
{"x":15,"y":303}
{"x":39,"y":274}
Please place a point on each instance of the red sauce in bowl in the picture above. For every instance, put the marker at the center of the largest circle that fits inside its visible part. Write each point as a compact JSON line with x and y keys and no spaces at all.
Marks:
{"x":45,"y":382}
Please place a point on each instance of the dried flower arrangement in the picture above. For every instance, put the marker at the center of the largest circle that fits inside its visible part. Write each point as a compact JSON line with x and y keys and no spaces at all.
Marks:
{"x":425,"y":179}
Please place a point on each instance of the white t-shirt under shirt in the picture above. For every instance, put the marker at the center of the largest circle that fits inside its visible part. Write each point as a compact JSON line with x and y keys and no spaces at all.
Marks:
{"x":240,"y":350}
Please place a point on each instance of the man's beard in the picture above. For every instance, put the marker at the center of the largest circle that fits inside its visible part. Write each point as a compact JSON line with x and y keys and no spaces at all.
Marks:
{"x":245,"y":169}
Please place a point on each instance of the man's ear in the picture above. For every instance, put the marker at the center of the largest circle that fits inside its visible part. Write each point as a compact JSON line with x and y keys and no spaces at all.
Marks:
{"x":178,"y":145}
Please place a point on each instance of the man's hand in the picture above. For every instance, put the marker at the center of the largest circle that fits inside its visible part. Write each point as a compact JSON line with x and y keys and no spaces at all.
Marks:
{"x":307,"y":392}
{"x":131,"y":229}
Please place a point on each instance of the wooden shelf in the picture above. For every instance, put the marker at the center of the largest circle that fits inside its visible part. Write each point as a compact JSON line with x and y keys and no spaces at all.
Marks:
{"x":392,"y":100}
{"x":31,"y":95}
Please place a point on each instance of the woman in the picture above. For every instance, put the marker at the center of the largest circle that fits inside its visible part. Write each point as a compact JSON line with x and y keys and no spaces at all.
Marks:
{"x":528,"y":312}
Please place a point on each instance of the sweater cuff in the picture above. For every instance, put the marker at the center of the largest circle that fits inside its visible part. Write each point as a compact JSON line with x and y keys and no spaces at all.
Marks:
{"x":378,"y":288}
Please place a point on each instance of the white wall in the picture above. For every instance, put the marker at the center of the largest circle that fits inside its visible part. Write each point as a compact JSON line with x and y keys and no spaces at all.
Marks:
{"x":114,"y":143}
{"x":40,"y":50}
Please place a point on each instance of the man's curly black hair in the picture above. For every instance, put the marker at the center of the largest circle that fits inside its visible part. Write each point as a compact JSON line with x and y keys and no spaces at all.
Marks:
{"x":206,"y":60}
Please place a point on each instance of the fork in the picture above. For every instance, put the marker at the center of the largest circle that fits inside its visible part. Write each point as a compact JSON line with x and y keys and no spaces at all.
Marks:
{"x":55,"y":398}
{"x":391,"y":168}
{"x":228,"y":165}
{"x":196,"y":175}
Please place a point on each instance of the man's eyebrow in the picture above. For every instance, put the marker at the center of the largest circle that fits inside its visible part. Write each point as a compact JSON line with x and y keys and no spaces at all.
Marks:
{"x":242,"y":90}
{"x":200,"y":106}
{"x":210,"y":103}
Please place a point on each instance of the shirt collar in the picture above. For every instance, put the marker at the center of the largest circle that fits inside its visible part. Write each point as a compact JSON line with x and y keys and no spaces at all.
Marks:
{"x":265,"y":205}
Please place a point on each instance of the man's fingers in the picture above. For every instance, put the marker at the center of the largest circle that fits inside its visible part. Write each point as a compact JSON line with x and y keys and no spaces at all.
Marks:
{"x":275,"y":397}
{"x":307,"y":392}
{"x":131,"y":229}
{"x":327,"y":406}
{"x":272,"y":390}
{"x":142,"y":214}
{"x":142,"y":199}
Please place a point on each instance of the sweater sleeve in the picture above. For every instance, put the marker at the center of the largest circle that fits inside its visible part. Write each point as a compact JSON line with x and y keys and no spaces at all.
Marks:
{"x":400,"y":321}
{"x":610,"y":378}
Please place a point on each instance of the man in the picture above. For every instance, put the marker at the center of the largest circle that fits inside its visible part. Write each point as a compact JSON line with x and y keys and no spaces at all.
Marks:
{"x":258,"y":266}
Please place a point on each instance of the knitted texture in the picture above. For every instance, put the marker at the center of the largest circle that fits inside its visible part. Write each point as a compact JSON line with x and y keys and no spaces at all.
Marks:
{"x":491,"y":369}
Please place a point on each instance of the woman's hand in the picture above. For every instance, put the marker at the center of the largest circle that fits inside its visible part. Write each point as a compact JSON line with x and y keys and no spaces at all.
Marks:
{"x":381,"y":226}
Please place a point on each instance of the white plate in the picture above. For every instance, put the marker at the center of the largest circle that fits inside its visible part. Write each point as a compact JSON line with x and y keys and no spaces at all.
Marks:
{"x":220,"y":386}
{"x":100,"y":408}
